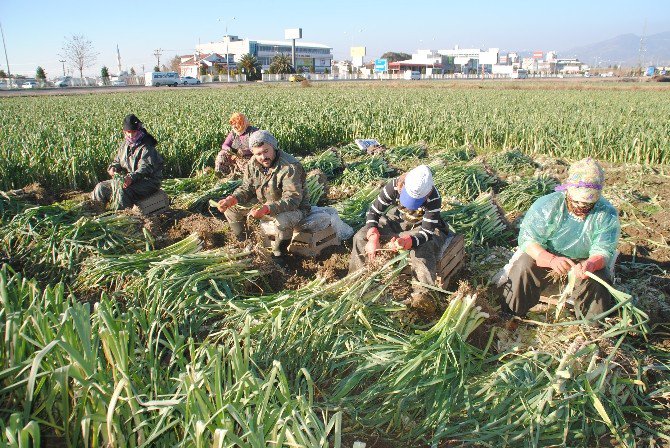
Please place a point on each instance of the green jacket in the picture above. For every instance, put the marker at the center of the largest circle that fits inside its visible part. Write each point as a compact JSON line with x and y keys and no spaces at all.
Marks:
{"x":282,"y":188}
{"x":141,"y":160}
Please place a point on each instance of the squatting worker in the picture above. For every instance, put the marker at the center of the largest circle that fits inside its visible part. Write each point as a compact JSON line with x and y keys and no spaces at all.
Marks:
{"x":137,"y":160}
{"x":406,"y":214}
{"x":574,"y":228}
{"x":275,"y":182}
{"x":235,"y":150}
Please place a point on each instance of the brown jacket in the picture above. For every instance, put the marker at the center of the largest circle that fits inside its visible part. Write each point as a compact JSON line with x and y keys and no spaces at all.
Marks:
{"x":282,"y":188}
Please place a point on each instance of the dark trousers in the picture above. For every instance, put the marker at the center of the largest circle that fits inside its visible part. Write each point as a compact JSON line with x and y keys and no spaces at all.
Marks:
{"x":129,"y":196}
{"x":526,"y":281}
{"x":423,"y":260}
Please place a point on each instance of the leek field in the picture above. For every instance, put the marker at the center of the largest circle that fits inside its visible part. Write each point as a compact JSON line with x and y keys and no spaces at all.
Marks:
{"x":122,"y":330}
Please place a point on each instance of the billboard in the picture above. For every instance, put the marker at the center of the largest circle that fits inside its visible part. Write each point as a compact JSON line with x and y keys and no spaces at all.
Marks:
{"x":357,"y":52}
{"x":293,"y":33}
{"x":538,"y":55}
{"x":381,"y":65}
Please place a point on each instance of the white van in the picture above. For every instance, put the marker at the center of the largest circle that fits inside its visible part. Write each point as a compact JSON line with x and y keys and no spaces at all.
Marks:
{"x":158,"y":79}
{"x":412,"y":74}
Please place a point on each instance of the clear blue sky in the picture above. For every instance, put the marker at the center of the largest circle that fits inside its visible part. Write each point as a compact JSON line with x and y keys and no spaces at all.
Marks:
{"x":35,"y":30}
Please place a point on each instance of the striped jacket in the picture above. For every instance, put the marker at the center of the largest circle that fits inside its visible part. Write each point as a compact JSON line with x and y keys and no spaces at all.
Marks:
{"x":428,"y":214}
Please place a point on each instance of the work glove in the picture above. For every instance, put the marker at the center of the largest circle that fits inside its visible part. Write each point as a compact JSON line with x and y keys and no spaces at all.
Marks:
{"x":259,"y":212}
{"x":560,"y":265}
{"x":127,"y":181}
{"x":591,"y":264}
{"x":372,"y":246}
{"x":225,"y":204}
{"x":400,"y":242}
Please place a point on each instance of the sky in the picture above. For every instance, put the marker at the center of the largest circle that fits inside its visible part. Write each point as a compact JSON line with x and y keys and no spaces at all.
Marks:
{"x":36,"y":31}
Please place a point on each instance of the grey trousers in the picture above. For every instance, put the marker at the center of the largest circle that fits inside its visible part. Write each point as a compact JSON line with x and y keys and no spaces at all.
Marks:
{"x":285,"y":222}
{"x":526,"y":281}
{"x":129,"y":196}
{"x":423,"y":260}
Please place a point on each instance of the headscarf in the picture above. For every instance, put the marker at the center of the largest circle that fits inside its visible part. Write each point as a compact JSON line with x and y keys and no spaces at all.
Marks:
{"x":585,"y":181}
{"x":239,"y":121}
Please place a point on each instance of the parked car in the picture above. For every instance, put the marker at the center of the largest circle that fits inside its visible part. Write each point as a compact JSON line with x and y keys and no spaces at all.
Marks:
{"x":63,"y":82}
{"x":119,"y":83}
{"x":29,"y":85}
{"x":189,"y":80}
{"x":296,"y":78}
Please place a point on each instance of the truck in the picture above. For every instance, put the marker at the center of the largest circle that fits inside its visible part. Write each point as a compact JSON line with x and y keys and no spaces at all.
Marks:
{"x":650,"y":71}
{"x":158,"y":79}
{"x":412,"y":74}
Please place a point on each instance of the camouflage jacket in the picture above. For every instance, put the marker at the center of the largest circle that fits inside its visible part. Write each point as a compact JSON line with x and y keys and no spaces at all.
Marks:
{"x":281,"y":187}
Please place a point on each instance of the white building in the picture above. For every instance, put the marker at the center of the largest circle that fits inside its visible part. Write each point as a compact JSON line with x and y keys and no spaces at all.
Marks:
{"x":466,"y":60}
{"x":308,"y":55}
{"x":425,"y":61}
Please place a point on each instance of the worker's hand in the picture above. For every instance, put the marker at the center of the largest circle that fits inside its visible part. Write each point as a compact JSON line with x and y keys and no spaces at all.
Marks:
{"x":127,"y":181}
{"x":225,"y":204}
{"x":372,"y":246}
{"x":259,"y":212}
{"x":400,"y":242}
{"x":591,"y":264}
{"x":561,"y":265}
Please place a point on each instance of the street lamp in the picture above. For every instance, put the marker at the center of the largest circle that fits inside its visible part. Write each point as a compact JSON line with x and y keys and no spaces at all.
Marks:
{"x":226,"y":21}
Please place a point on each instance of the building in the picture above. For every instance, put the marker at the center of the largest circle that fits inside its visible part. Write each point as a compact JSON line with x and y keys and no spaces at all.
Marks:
{"x":471,"y":60}
{"x":424,"y":61}
{"x":196,"y":64}
{"x":308,"y":56}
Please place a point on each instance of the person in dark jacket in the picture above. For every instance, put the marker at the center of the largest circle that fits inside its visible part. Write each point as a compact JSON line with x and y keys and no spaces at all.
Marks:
{"x":138,"y":161}
{"x":235,"y":150}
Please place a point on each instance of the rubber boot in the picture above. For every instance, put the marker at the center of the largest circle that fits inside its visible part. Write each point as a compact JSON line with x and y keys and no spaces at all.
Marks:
{"x":279,"y":253}
{"x":239,"y":230}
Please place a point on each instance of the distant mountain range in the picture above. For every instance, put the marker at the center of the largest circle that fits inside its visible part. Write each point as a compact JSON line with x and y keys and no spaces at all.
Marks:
{"x":624,"y":50}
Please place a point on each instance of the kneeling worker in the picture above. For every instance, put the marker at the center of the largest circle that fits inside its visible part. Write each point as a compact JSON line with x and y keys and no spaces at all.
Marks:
{"x":412,"y":222}
{"x":575,"y":229}
{"x":140,"y":163}
{"x":275,"y":181}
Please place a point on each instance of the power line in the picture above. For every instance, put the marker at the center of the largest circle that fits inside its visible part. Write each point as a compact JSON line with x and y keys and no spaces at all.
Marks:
{"x":158,"y":53}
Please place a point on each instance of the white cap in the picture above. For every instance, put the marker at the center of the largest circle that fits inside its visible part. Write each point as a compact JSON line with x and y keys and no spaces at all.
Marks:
{"x":418,"y":183}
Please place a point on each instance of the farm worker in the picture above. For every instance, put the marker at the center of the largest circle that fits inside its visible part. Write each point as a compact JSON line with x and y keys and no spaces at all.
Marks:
{"x":412,"y":222}
{"x":274,"y":182}
{"x":573,"y":229}
{"x":235,"y":150}
{"x":137,"y":160}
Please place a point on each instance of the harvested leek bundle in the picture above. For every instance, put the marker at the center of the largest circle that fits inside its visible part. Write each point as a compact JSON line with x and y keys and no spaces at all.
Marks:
{"x":197,"y":201}
{"x":117,"y":192}
{"x":519,"y":196}
{"x":369,"y":170}
{"x":457,"y":155}
{"x":353,"y":210}
{"x":115,"y":270}
{"x":181,"y":185}
{"x":51,"y":241}
{"x":402,"y":153}
{"x":461,"y":181}
{"x":479,"y":221}
{"x":512,"y":162}
{"x":329,"y":161}
{"x":408,"y":385}
{"x":314,"y":189}
{"x":10,"y":205}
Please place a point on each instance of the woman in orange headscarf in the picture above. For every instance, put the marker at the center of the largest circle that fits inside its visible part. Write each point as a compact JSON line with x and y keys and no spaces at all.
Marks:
{"x":235,"y":151}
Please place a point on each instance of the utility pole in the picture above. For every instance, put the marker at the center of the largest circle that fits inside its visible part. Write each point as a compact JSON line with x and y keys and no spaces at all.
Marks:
{"x":642,"y":50}
{"x":62,"y":61}
{"x":9,"y":74}
{"x":158,"y":53}
{"x":118,"y":57}
{"x":227,"y":38}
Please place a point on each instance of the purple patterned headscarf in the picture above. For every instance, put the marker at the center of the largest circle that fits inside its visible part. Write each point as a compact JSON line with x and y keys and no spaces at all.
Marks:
{"x":585,"y":181}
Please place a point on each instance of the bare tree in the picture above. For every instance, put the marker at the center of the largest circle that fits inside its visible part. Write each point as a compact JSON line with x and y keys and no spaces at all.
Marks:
{"x":79,"y":52}
{"x":175,"y":64}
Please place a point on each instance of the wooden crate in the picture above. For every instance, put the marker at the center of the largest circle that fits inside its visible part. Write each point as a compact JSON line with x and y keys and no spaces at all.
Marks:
{"x":306,"y":243}
{"x":157,"y":202}
{"x":452,"y":261}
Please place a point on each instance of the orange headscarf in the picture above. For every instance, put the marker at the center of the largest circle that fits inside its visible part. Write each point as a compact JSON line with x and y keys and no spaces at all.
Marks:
{"x":239,"y":121}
